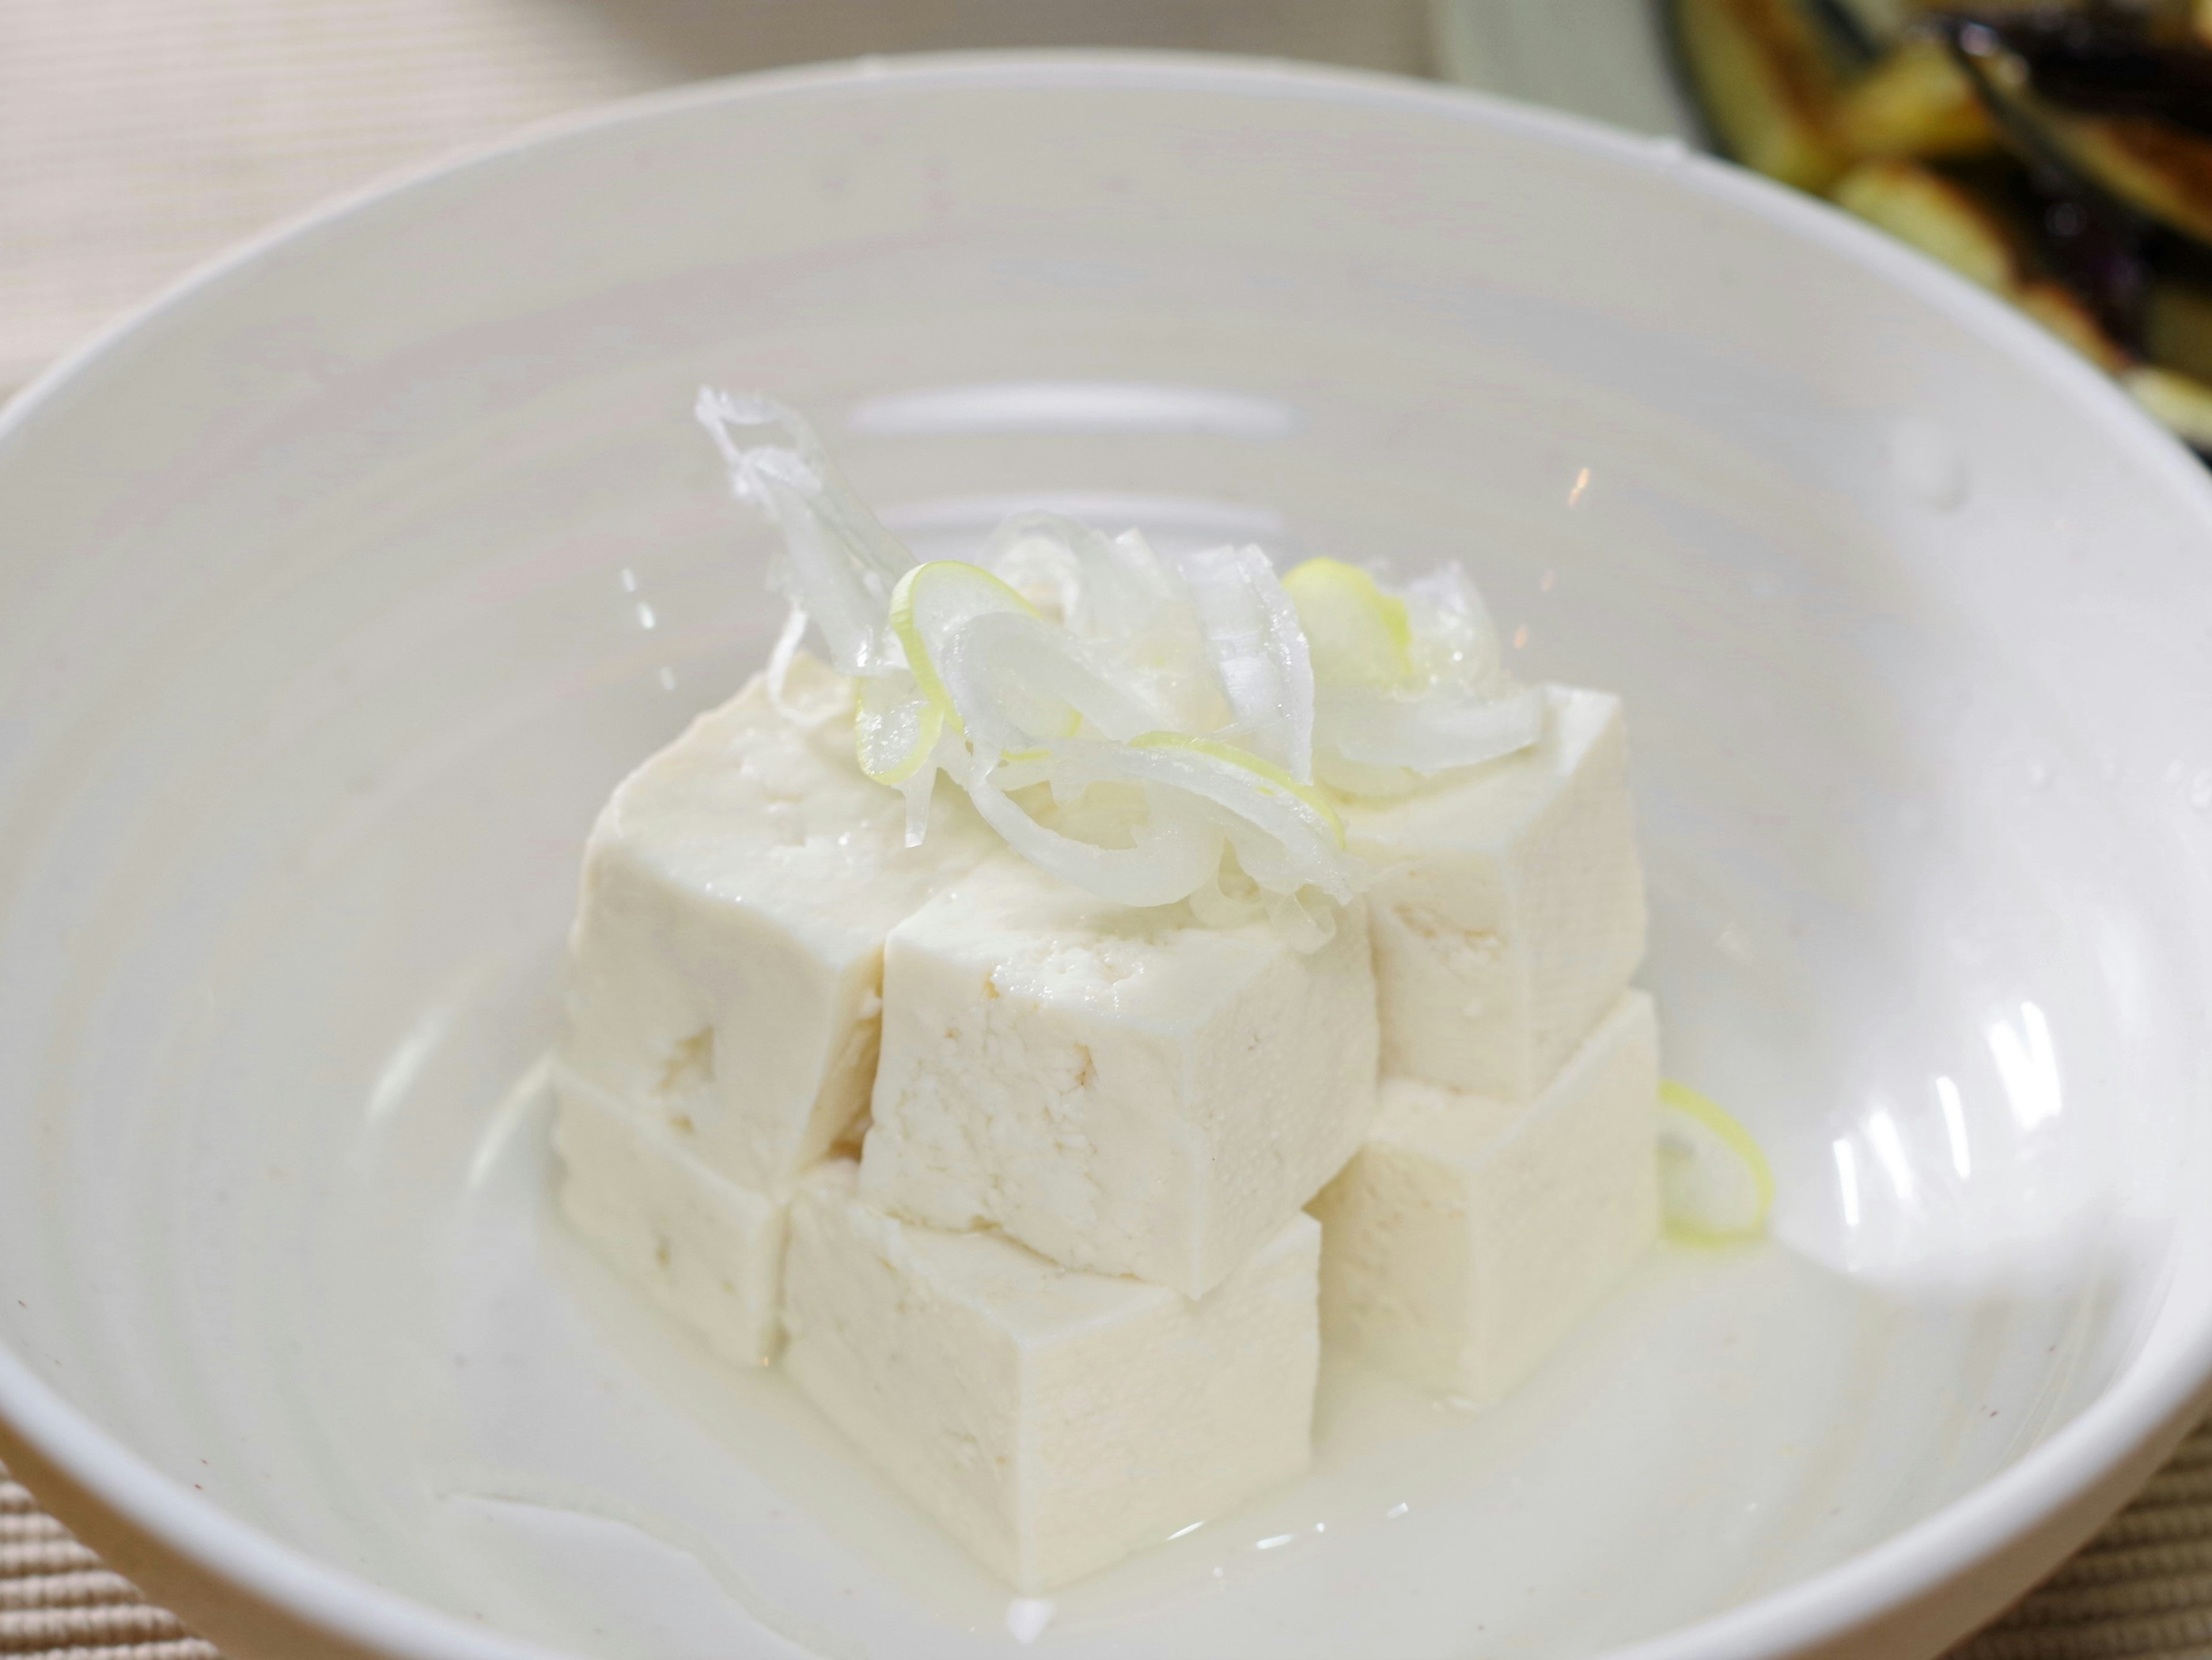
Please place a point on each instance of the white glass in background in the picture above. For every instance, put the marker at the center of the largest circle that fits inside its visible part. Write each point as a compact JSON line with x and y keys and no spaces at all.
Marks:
{"x":1604,"y":59}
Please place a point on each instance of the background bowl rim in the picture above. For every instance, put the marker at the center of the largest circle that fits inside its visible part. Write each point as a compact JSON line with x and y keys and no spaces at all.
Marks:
{"x":2133,"y":1421}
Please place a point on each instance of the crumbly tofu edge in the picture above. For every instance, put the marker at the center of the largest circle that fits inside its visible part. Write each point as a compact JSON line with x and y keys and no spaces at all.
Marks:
{"x":1052,"y":1421}
{"x":1163,"y":1137}
{"x":703,"y":1249}
{"x":1470,"y":1238}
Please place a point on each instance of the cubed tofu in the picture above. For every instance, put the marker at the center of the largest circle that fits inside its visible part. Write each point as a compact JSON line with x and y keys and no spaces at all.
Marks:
{"x":729,"y":947}
{"x":1052,"y":1421}
{"x":1469,"y":1235}
{"x":1127,"y":1092}
{"x":704,"y":1249}
{"x":1509,"y":916}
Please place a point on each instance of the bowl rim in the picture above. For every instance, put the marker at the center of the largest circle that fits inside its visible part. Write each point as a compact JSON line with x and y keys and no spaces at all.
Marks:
{"x":2136,"y":1419}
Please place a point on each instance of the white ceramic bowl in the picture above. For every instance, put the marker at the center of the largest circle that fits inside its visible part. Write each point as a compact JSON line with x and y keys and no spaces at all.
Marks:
{"x":339,"y":587}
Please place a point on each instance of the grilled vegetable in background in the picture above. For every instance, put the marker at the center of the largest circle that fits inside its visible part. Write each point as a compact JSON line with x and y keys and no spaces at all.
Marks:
{"x":1767,"y":73}
{"x":1915,"y":100}
{"x":2059,"y":155}
{"x":2101,"y":103}
{"x":1969,"y":224}
{"x":2182,"y":405}
{"x":2107,"y":61}
{"x":1940,"y":217}
{"x":2178,"y":326}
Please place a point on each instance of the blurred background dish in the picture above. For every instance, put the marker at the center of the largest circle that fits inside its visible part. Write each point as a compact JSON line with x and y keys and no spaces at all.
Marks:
{"x":2060,"y":156}
{"x":2048,"y":152}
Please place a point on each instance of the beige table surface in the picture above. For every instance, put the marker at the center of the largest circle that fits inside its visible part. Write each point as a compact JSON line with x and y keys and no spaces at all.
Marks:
{"x":138,"y":138}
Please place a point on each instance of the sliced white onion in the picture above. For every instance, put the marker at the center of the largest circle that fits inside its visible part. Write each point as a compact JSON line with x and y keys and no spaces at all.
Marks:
{"x":1355,"y":634}
{"x":1286,"y":837}
{"x":1040,"y":556}
{"x":1305,"y":922}
{"x":1172,"y":853}
{"x":1103,"y":587}
{"x":1258,"y":651}
{"x":839,"y":564}
{"x":1017,"y":680}
{"x":1361,"y":779}
{"x":1428,"y":733}
{"x":1003,"y":680}
{"x":1411,"y":684}
{"x":1215,"y":906}
{"x":778,"y":672}
{"x":1124,"y":602}
{"x":1455,"y":644}
{"x":1171,"y":707}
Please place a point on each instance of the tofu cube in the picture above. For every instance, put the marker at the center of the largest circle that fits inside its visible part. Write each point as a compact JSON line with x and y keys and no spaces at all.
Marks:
{"x":1511,"y":914}
{"x":1122,"y":1091}
{"x":704,"y":1249}
{"x":1052,"y":1421}
{"x":1470,"y":1235}
{"x":727,"y":952}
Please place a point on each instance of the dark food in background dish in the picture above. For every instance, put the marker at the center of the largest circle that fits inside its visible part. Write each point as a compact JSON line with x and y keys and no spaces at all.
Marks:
{"x":2140,"y":158}
{"x":1914,"y":100}
{"x":1768,"y":73}
{"x":2177,"y":322}
{"x":2058,"y":155}
{"x":2103,"y":63}
{"x":1973,"y":219}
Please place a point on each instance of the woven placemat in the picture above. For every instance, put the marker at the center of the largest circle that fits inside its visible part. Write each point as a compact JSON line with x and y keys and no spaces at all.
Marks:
{"x":56,"y":1600}
{"x":2141,"y":1590}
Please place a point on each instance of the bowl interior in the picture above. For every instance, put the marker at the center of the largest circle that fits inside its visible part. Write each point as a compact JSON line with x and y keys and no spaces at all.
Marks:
{"x":337,"y":597}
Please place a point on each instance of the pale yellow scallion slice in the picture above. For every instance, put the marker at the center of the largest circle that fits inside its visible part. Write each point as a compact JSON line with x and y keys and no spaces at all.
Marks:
{"x":1358,"y":635}
{"x":894,"y":728}
{"x":1715,"y":1186}
{"x":948,"y":613}
{"x":1261,"y":769}
{"x":930,"y":603}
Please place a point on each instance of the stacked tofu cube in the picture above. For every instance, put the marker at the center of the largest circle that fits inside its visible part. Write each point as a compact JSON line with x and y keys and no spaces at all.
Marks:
{"x":1066,"y":1295}
{"x":1512,"y":1177}
{"x":1016,"y":1181}
{"x":725,"y":994}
